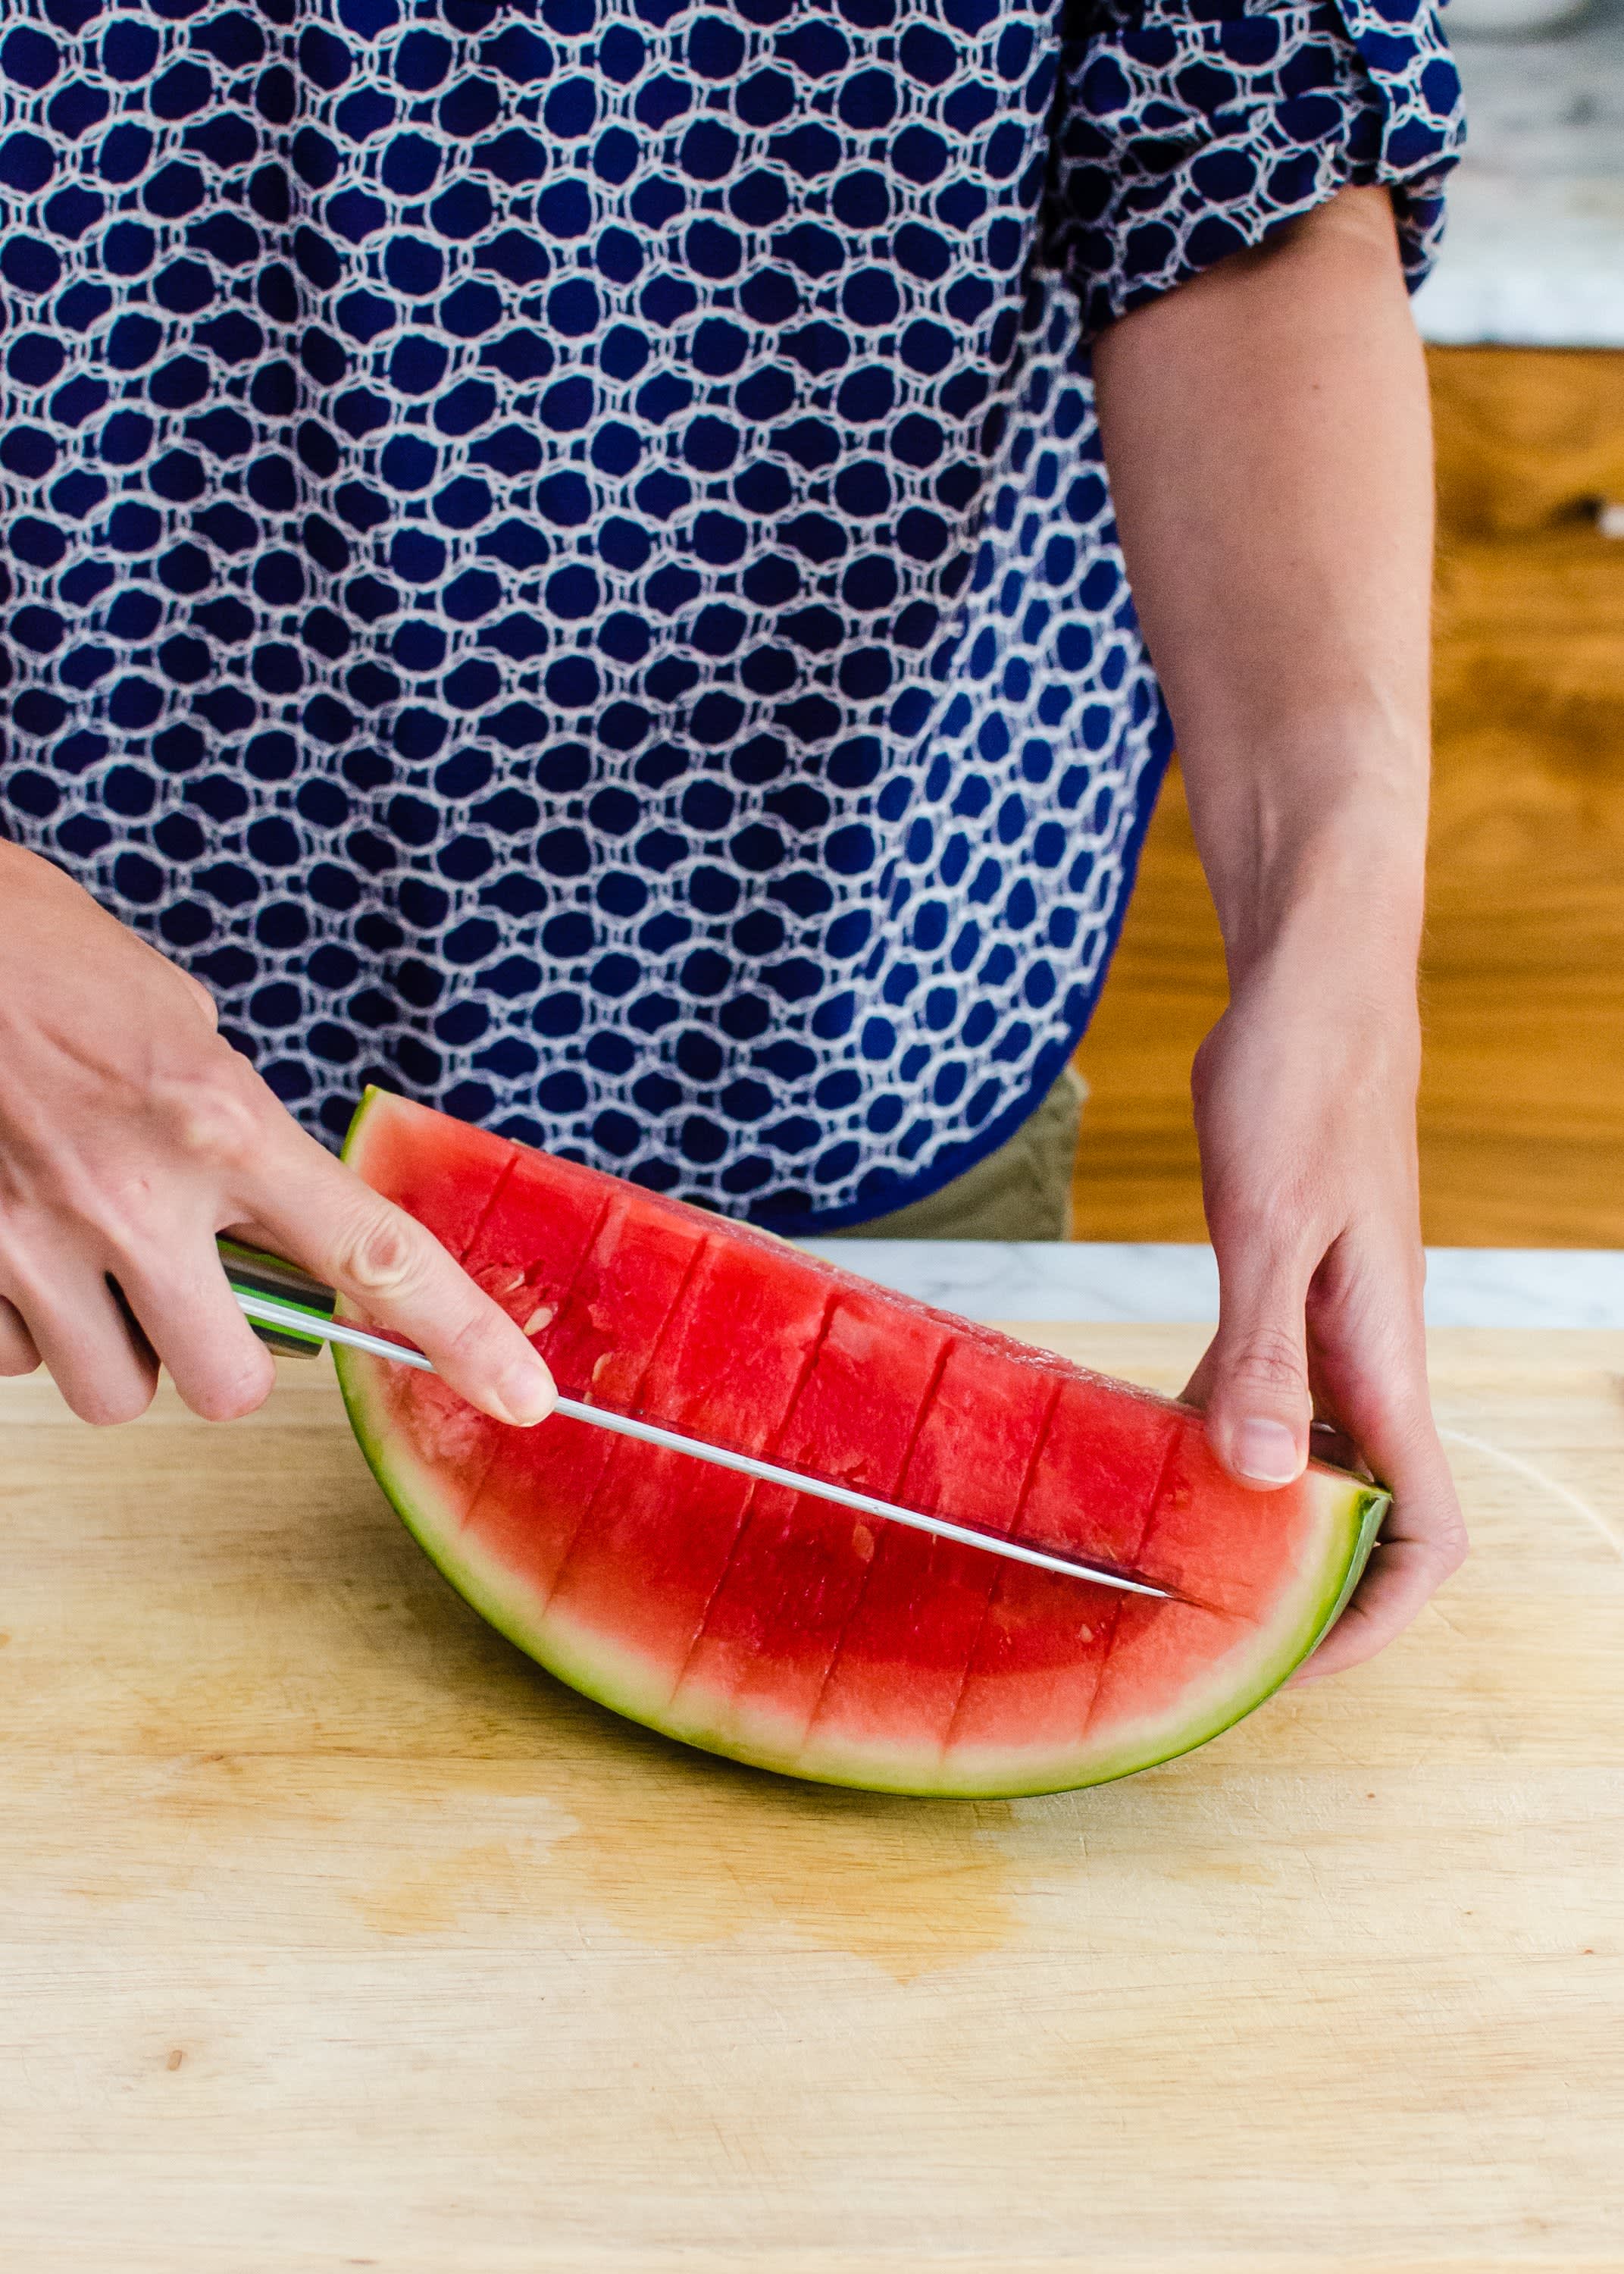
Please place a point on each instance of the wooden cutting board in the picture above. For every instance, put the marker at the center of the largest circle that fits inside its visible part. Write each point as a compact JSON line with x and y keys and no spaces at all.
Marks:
{"x":333,"y":1934}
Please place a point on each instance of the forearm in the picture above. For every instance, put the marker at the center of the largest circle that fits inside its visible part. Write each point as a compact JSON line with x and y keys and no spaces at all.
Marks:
{"x":1267,"y":434}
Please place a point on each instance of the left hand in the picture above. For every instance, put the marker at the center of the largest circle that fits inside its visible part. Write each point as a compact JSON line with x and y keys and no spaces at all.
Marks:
{"x":1265,"y":427}
{"x":1304,"y":1100}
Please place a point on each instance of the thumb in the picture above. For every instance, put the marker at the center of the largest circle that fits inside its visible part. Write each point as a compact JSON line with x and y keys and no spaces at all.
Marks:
{"x":1253,"y":1381}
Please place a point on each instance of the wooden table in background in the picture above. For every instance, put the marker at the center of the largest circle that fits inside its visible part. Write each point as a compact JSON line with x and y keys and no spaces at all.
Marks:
{"x":333,"y":1934}
{"x":1523,"y":974}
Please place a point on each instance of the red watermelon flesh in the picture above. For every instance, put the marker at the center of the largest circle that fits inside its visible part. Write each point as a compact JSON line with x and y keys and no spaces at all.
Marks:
{"x":607,"y":1318}
{"x":779,"y":1628}
{"x":647,"y":1568}
{"x":891,"y":1674}
{"x":773,"y":1628}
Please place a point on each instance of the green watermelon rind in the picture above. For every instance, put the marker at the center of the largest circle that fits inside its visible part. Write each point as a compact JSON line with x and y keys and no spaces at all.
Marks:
{"x":588,"y":1669}
{"x":1349,"y":1528}
{"x":583,"y":1669}
{"x":1373,"y":1504}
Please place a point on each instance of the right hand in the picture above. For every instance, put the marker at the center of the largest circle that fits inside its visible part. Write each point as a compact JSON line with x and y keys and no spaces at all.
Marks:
{"x":130,"y":1134}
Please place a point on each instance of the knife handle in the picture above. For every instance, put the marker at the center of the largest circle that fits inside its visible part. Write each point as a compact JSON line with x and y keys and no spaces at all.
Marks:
{"x":258,"y":1273}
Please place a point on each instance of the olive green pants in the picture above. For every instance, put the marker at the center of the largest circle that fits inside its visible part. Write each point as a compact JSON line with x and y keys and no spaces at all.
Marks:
{"x":1021,"y":1192}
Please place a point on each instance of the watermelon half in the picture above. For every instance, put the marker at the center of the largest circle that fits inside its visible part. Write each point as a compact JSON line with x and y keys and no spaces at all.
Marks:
{"x":783,"y":1630}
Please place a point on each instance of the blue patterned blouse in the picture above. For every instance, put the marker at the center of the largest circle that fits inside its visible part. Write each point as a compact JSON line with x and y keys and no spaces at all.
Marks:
{"x":560,"y":557}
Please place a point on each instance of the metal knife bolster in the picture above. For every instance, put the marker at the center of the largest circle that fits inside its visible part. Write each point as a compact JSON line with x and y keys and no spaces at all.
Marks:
{"x":292,"y":1312}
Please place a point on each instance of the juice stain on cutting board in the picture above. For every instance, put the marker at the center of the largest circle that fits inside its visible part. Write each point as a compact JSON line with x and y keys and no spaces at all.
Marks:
{"x":677,"y":1850}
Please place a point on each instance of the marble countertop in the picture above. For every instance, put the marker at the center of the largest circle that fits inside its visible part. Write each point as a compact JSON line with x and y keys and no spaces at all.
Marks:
{"x":1017,"y":1280}
{"x":1534,"y":252}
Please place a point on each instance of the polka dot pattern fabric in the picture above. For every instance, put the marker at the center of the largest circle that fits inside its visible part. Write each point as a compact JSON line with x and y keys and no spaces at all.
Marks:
{"x":559,"y":554}
{"x":1188,"y":132}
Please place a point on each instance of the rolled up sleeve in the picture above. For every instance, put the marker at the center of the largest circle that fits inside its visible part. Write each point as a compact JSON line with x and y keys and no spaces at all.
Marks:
{"x":1190,"y":129}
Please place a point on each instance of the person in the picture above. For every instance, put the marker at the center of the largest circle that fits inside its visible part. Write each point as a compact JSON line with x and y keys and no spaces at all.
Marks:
{"x":631,"y":570}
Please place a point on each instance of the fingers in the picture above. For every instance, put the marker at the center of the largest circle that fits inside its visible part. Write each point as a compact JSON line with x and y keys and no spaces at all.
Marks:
{"x":1371,"y":1354}
{"x":1335,"y":1447}
{"x":396,"y":1272}
{"x":18,"y":1351}
{"x":1423,"y":1543}
{"x":1253,"y":1381}
{"x":1368,"y":1364}
{"x":104,"y":1316}
{"x":1402,"y":1577}
{"x":219,"y":1365}
{"x":105,"y":1373}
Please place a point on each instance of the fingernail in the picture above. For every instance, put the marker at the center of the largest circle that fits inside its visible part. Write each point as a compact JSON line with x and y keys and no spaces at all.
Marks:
{"x":528,"y":1394}
{"x":1266,"y":1451}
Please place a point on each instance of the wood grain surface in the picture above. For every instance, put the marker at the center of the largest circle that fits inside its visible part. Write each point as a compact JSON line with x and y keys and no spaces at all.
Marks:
{"x":333,"y":1933}
{"x":1526,"y":439}
{"x":1521,"y":1114}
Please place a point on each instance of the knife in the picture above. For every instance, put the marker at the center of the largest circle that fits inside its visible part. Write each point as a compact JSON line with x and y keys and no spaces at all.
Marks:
{"x":294,"y":1313}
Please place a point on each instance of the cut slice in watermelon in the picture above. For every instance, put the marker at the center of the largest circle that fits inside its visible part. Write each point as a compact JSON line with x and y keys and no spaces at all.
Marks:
{"x":783,"y":1630}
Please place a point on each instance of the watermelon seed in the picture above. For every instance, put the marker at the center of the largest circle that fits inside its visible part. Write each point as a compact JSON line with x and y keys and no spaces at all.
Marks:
{"x":542,"y":1316}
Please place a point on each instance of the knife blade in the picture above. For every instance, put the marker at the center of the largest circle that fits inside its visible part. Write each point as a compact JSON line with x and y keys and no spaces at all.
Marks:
{"x":294,"y":1313}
